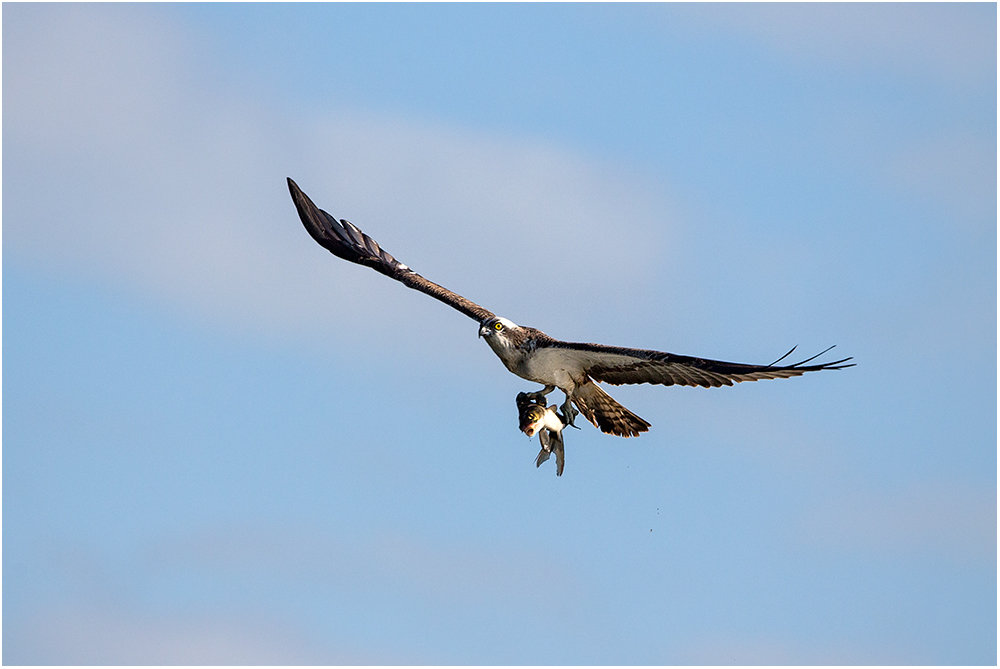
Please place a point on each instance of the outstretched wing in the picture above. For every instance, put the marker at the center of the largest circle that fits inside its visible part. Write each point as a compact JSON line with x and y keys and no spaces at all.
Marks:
{"x":345,"y":240}
{"x":615,"y":365}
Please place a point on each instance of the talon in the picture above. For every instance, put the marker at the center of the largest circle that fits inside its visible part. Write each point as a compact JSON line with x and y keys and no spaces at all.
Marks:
{"x":537,"y":398}
{"x":569,"y":413}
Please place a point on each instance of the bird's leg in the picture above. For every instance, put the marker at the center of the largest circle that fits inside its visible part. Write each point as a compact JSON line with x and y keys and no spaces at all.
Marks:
{"x":538,"y":397}
{"x":569,"y":411}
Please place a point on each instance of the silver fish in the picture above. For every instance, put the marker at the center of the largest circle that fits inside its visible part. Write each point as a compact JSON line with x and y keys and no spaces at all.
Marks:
{"x":534,"y":417}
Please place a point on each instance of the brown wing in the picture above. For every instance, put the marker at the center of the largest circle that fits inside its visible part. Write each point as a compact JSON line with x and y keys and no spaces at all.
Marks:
{"x":615,"y":365}
{"x":345,"y":240}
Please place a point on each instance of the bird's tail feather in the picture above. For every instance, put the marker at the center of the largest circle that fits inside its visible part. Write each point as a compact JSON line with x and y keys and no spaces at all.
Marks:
{"x":605,"y":413}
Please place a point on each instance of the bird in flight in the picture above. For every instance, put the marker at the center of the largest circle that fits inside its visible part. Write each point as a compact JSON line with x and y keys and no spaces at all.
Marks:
{"x":574,"y":368}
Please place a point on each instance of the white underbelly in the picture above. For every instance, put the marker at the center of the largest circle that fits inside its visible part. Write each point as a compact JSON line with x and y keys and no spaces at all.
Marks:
{"x":551,"y":367}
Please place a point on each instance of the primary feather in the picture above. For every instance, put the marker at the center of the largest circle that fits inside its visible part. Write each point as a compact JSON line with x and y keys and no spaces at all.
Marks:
{"x":345,"y":240}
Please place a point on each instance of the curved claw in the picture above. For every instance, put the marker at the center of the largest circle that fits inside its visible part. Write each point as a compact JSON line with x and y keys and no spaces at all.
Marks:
{"x":569,"y":413}
{"x":535,"y":398}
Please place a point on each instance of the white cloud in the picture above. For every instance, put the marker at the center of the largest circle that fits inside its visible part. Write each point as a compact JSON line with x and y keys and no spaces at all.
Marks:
{"x":445,"y":574}
{"x":73,"y":634}
{"x":126,"y":163}
{"x":93,"y":77}
{"x":139,"y":610}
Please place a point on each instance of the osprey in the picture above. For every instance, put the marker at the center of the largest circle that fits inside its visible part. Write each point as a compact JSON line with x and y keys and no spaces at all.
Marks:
{"x":533,"y":355}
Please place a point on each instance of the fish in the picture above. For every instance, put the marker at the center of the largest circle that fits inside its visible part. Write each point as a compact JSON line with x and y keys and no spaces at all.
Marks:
{"x":534,"y":417}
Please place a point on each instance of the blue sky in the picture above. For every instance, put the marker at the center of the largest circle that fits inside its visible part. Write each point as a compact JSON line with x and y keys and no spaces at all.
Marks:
{"x":224,"y":445}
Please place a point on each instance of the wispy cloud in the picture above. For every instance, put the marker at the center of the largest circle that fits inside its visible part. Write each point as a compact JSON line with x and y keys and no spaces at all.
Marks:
{"x":438,"y":573}
{"x":127,"y":163}
{"x":139,"y":610}
{"x":80,"y":634}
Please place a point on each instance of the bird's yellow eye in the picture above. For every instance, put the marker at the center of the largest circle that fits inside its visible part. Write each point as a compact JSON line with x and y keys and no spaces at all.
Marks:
{"x":498,"y":326}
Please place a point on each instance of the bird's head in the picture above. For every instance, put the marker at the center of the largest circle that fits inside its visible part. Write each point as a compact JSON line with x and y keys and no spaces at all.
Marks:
{"x":506,"y":340}
{"x":498,"y":331}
